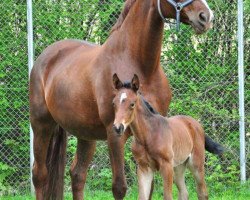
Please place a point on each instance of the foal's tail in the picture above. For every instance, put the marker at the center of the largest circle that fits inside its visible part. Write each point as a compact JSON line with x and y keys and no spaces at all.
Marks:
{"x":56,"y":158}
{"x":212,"y":146}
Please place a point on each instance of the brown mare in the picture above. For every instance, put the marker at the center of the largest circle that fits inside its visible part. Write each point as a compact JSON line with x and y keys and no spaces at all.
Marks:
{"x":169,"y":145}
{"x":71,"y":90}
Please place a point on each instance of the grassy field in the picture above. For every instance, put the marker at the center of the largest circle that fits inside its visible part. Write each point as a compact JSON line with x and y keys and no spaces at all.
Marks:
{"x":236,"y":192}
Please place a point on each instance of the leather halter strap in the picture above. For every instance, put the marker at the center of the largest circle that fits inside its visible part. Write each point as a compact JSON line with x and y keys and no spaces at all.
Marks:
{"x":178,"y":7}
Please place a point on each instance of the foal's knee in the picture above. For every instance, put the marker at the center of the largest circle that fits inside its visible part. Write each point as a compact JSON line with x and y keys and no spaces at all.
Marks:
{"x":203,"y":196}
{"x":202,"y":191}
{"x":119,"y":189}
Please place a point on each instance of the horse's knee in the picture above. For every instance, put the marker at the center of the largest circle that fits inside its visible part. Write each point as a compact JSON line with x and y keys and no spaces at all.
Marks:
{"x":39,"y":176}
{"x":77,"y":180}
{"x":119,"y":189}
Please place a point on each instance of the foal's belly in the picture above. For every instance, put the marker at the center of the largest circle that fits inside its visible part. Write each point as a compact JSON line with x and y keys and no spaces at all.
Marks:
{"x":182,"y":160}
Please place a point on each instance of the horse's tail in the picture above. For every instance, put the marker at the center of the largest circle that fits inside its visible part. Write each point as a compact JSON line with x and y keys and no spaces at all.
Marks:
{"x":56,"y":158}
{"x":212,"y":146}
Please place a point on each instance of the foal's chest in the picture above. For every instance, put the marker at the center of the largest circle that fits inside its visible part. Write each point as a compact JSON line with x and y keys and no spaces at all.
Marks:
{"x":143,"y":157}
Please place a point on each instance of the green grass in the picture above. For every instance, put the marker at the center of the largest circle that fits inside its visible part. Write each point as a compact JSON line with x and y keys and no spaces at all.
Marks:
{"x":234,"y":192}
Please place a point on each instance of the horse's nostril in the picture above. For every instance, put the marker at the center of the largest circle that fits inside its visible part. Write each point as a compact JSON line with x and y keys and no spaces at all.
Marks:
{"x":118,"y":129}
{"x":203,"y":17}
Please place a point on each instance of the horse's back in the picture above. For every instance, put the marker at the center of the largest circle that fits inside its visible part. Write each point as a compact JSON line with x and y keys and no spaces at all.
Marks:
{"x":60,"y":50}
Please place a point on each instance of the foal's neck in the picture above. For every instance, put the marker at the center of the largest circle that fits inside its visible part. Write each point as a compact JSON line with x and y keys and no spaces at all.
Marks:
{"x":140,"y":36}
{"x":142,"y":125}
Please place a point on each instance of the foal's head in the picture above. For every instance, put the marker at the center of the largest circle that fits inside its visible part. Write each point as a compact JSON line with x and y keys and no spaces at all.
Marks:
{"x":124,"y":102}
{"x":195,"y":13}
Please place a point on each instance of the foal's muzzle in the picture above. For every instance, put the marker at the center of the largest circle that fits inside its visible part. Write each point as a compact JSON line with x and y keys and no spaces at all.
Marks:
{"x":119,"y":129}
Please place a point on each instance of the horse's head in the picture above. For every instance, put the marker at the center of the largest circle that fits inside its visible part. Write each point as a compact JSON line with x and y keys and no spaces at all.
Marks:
{"x":193,"y":12}
{"x":124,"y":103}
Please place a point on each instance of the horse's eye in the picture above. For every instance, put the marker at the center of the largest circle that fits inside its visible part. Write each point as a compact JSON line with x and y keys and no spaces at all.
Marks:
{"x":132,"y":105}
{"x":113,"y":104}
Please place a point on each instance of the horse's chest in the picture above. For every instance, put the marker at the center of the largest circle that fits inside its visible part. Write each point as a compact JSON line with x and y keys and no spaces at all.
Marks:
{"x":158,"y":94}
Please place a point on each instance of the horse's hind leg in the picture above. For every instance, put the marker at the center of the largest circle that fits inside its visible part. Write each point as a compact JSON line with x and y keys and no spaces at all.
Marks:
{"x":179,"y":179}
{"x":196,"y":166}
{"x":79,"y":167}
{"x":42,"y":135}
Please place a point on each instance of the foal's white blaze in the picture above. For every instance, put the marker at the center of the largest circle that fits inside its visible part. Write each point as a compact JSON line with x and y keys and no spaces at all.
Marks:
{"x":211,"y":14}
{"x":123,"y":96}
{"x":124,"y":124}
{"x":145,"y":181}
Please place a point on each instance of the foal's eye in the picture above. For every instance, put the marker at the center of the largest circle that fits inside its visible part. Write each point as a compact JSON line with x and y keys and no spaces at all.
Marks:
{"x":132,"y":105}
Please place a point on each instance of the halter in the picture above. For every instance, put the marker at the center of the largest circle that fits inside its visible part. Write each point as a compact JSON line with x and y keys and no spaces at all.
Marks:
{"x":178,"y":7}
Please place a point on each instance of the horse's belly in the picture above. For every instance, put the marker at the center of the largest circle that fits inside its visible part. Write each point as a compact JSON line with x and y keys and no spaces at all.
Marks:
{"x":86,"y":133}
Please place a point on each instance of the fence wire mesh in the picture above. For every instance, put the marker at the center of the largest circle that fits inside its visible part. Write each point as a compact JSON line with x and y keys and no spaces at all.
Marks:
{"x":202,"y":71}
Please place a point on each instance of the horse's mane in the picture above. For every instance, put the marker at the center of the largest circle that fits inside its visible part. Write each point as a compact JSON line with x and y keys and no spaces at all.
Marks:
{"x":123,"y":15}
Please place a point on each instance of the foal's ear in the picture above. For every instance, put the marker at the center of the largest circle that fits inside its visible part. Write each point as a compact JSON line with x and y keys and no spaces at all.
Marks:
{"x":116,"y":81}
{"x":135,"y":83}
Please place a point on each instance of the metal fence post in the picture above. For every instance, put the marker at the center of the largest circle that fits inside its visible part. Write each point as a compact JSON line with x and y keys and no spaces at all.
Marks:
{"x":30,"y":64}
{"x":241,"y":90}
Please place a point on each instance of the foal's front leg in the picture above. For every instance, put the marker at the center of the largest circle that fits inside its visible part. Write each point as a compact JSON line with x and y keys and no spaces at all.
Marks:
{"x":116,"y":152}
{"x":145,"y":178}
{"x":166,"y":171}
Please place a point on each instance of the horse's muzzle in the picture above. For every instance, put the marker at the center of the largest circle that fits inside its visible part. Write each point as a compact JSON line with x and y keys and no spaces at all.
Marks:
{"x":119,"y":129}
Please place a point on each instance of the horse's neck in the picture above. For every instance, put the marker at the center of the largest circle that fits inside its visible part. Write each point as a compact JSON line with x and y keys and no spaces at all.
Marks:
{"x":142,"y":125}
{"x":140,"y":36}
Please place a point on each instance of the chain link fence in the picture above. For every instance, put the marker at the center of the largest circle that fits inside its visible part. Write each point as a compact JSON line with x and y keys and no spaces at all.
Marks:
{"x":202,"y":71}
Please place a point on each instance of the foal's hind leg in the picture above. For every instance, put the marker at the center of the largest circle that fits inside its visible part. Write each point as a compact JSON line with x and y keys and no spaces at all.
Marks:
{"x":196,"y":166}
{"x":179,"y":179}
{"x":79,"y":167}
{"x":42,"y":135}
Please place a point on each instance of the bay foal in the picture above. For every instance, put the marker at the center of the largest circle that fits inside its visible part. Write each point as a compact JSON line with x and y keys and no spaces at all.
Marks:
{"x":169,"y":145}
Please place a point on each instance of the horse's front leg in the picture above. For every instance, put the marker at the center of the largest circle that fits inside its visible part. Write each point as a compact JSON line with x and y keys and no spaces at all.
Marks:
{"x":78,"y":171}
{"x":116,"y":152}
{"x":166,"y":170}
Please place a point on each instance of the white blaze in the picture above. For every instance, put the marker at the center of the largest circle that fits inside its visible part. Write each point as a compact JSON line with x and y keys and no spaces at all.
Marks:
{"x":123,"y":96}
{"x":211,"y":14}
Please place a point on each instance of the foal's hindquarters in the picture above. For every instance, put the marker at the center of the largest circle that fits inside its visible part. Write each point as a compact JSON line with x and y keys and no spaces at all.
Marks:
{"x":189,"y":152}
{"x":178,"y":144}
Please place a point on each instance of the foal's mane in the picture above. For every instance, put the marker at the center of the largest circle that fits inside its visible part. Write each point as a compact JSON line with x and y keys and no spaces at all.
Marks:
{"x":148,"y":106}
{"x":123,"y":15}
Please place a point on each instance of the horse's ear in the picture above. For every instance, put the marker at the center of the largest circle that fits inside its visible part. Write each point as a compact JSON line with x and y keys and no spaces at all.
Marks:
{"x":116,"y":81}
{"x":135,"y":83}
